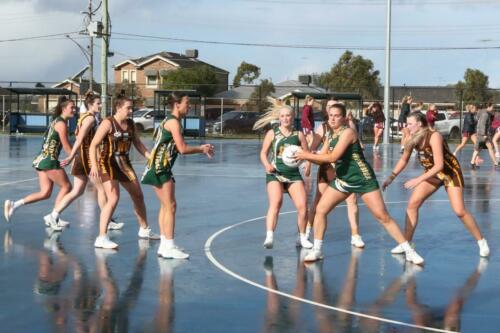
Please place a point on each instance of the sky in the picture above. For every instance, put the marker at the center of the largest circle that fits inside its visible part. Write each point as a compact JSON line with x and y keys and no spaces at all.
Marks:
{"x":342,"y":24}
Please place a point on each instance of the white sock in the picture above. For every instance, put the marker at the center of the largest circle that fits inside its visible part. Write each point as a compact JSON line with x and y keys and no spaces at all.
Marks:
{"x":18,"y":203}
{"x":168,"y":243}
{"x":405,"y":246}
{"x":162,"y":238}
{"x":308,"y":231}
{"x":270,"y":234}
{"x":55,"y":215}
{"x":318,"y":244}
{"x":303,"y":237}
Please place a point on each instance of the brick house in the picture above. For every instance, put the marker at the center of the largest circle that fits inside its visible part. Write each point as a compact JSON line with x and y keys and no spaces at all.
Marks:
{"x":146,"y":73}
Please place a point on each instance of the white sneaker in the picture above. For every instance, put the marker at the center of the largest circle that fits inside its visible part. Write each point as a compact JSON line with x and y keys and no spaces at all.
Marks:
{"x":62,"y":223}
{"x":313,"y":255}
{"x":113,"y":225}
{"x":167,"y":267}
{"x":8,"y":209}
{"x":482,"y":265}
{"x":104,"y":242}
{"x":357,"y":241}
{"x":268,"y":243}
{"x":399,"y":249}
{"x":52,"y":223}
{"x":484,"y":249}
{"x":147,"y":233}
{"x":174,"y":253}
{"x":306,"y":244}
{"x":50,"y":243}
{"x":143,"y":244}
{"x":409,"y":272}
{"x":414,"y":257}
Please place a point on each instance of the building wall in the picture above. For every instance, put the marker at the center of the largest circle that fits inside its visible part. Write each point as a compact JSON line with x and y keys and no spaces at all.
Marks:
{"x":147,"y":92}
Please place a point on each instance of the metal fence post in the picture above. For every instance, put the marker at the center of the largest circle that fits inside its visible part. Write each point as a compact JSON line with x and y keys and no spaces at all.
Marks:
{"x":221,"y":113}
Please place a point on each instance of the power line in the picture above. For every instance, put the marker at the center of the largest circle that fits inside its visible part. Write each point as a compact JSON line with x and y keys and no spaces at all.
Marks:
{"x":372,"y":3}
{"x":36,"y":37}
{"x":298,"y":46}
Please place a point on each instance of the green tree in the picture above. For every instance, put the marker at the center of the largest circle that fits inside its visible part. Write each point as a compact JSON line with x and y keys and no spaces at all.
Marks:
{"x":474,"y":87}
{"x":201,"y":78}
{"x":258,"y":99}
{"x":246,"y":72}
{"x":350,"y":74}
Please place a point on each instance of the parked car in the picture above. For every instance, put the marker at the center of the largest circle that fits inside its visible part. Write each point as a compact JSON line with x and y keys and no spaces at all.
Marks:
{"x":236,"y":122}
{"x":448,"y":124}
{"x":144,"y":119}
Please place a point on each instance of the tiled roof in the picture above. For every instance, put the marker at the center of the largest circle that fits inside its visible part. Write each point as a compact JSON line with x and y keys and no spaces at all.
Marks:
{"x":180,"y":59}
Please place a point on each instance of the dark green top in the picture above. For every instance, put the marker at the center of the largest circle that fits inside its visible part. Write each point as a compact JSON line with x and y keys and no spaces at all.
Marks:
{"x":352,"y":169}
{"x":164,"y":152}
{"x":48,"y":158}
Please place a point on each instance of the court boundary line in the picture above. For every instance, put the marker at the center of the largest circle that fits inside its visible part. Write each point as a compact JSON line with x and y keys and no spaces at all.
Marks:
{"x":216,"y":263}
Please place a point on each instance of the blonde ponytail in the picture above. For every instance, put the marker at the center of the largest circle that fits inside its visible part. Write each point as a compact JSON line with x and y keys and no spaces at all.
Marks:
{"x":272,"y":115}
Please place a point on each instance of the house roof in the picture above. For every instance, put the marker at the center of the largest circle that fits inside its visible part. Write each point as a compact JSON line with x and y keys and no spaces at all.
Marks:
{"x":282,"y":90}
{"x":173,"y":58}
{"x":40,"y":91}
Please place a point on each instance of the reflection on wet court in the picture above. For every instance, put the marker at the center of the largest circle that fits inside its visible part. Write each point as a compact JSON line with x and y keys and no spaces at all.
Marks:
{"x":59,"y":282}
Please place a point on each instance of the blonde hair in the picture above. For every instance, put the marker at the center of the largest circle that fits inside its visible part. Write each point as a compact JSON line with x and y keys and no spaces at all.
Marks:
{"x":271,"y":115}
{"x":421,"y":133}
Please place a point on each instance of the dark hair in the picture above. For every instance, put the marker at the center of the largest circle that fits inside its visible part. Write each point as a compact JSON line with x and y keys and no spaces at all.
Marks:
{"x":119,"y":101}
{"x":61,"y":104}
{"x":90,"y":99}
{"x":419,"y":117}
{"x":377,"y":106}
{"x":340,"y":107}
{"x":175,"y":97}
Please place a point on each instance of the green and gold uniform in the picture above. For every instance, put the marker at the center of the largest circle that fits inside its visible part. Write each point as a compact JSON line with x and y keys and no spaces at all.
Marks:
{"x":451,"y":175}
{"x":162,"y":158}
{"x":283,"y":174}
{"x":81,"y":164}
{"x":48,"y":159}
{"x":354,"y":174}
{"x":114,"y":162}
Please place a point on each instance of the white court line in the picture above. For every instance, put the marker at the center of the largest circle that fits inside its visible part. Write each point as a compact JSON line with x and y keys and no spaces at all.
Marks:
{"x":210,"y":256}
{"x":18,"y":181}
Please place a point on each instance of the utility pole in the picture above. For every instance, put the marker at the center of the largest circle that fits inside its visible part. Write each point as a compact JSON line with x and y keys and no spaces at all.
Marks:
{"x":104,"y":58}
{"x":387,"y":82}
{"x":91,"y":51}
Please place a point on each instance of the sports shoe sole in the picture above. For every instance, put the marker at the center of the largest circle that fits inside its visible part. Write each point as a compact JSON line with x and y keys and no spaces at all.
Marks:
{"x":6,"y":209}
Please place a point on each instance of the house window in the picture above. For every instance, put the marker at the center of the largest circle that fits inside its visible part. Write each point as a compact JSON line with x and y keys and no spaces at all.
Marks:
{"x":152,"y":81}
{"x":133,"y":76}
{"x":124,"y":76}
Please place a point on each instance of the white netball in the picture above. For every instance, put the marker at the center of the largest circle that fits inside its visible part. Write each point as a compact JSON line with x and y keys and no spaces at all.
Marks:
{"x":288,"y":156}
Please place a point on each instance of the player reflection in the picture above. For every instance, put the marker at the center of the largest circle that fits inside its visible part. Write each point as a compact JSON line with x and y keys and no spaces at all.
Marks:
{"x":164,"y":317}
{"x":113,"y":314}
{"x":282,"y":314}
{"x":279,"y":319}
{"x":329,"y":320}
{"x":447,"y":318}
{"x":48,"y":288}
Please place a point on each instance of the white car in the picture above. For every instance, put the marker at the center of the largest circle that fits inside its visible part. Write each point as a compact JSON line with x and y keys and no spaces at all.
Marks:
{"x":144,"y":119}
{"x":448,"y":124}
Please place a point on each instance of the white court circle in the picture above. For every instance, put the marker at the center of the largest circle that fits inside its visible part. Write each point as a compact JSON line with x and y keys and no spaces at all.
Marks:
{"x":213,"y":260}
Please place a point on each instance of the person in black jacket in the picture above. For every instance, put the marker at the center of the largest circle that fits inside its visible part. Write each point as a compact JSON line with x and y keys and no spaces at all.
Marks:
{"x":405,"y":111}
{"x":469,"y":128}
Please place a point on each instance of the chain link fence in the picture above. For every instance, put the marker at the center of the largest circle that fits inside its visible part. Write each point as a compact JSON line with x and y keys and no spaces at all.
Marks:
{"x":226,"y":113}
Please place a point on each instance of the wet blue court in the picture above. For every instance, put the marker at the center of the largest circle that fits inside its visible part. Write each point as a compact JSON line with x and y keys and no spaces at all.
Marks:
{"x":58,"y":282}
